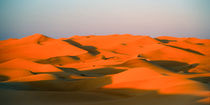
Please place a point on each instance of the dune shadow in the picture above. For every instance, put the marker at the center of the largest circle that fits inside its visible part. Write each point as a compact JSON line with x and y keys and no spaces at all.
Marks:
{"x":106,"y":58}
{"x":200,"y":44}
{"x":3,"y":78}
{"x":188,"y":50}
{"x":165,"y":40}
{"x":205,"y":80}
{"x":58,"y":60}
{"x":58,"y":84}
{"x":91,"y":49}
{"x":174,"y":66}
{"x":92,"y":72}
{"x":103,"y":71}
{"x":118,"y":52}
{"x":74,"y":57}
{"x":185,"y":49}
{"x":69,"y":70}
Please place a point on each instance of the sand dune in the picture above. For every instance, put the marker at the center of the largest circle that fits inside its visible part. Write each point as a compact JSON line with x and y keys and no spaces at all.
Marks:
{"x":38,"y":47}
{"x":148,"y":79}
{"x":29,"y":65}
{"x":13,"y":73}
{"x":105,"y":70}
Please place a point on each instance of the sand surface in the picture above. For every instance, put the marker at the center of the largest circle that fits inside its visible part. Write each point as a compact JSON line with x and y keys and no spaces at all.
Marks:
{"x":105,"y":70}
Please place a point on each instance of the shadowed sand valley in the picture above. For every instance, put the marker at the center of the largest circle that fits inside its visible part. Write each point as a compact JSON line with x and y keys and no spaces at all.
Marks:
{"x":105,"y":70}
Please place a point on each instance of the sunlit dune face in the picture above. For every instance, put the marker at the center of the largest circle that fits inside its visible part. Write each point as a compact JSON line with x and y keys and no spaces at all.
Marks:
{"x":118,"y":68}
{"x":147,"y":79}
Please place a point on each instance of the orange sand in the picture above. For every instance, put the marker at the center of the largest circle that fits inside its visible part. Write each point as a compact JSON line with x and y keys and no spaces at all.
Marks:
{"x":105,"y":70}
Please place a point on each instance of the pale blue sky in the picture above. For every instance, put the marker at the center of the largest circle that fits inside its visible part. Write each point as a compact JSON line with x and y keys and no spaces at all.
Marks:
{"x":64,"y":18}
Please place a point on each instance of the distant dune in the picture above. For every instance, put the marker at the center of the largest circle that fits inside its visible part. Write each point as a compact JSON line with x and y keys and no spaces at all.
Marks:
{"x":105,"y":70}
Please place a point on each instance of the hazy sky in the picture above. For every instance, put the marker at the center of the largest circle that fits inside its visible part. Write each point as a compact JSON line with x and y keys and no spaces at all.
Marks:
{"x":64,"y":18}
